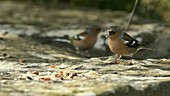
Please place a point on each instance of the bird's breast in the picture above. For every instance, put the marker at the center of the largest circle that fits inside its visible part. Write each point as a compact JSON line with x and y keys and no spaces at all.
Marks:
{"x":85,"y":44}
{"x":117,"y":46}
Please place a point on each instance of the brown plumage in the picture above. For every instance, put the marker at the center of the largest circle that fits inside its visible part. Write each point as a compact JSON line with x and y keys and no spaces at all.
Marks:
{"x":121,"y":43}
{"x":87,"y":39}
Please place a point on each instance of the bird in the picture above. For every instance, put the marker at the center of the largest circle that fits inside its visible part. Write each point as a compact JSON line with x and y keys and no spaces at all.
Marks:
{"x":86,"y":39}
{"x":121,"y":43}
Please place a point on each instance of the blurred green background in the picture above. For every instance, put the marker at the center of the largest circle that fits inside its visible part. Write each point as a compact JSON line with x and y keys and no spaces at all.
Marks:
{"x":154,"y":9}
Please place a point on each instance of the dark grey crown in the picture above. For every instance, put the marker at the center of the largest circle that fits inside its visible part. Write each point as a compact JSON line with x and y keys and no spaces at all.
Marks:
{"x":114,"y":29}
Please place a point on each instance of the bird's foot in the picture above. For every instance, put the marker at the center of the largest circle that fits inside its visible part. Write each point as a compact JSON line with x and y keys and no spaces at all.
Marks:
{"x":117,"y":61}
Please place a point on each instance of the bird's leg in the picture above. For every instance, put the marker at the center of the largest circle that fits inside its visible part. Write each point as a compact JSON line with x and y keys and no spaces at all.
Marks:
{"x":78,"y":51}
{"x":117,"y":58}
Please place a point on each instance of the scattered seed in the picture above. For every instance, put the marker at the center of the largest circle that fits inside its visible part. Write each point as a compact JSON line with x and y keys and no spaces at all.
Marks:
{"x":53,"y":66}
{"x":61,"y":78}
{"x":57,"y":75}
{"x":45,"y":78}
{"x":21,"y":61}
{"x":35,"y":72}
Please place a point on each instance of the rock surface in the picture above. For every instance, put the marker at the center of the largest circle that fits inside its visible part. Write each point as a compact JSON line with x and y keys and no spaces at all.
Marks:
{"x":32,"y":68}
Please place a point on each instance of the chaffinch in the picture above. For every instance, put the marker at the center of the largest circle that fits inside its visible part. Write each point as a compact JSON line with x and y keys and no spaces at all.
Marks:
{"x":87,"y":39}
{"x":121,"y":43}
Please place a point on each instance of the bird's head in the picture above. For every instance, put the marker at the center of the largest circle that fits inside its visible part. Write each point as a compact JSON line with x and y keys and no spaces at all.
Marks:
{"x":112,"y":31}
{"x":93,"y":29}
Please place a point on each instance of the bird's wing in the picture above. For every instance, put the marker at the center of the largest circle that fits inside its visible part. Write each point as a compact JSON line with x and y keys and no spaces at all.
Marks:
{"x":80,"y":36}
{"x":129,"y":41}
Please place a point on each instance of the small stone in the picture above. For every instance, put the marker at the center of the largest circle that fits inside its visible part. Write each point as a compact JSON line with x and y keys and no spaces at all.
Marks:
{"x":92,"y":74}
{"x":29,"y":78}
{"x":4,"y":81}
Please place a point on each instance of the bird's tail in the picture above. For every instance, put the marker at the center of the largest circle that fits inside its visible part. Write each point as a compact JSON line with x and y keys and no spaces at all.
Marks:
{"x":142,"y":47}
{"x":63,"y":40}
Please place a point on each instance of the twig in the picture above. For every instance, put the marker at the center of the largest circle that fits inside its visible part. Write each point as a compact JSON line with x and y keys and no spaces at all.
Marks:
{"x":132,"y":14}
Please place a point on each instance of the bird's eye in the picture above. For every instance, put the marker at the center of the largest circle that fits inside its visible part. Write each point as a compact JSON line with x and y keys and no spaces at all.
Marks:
{"x":111,"y":32}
